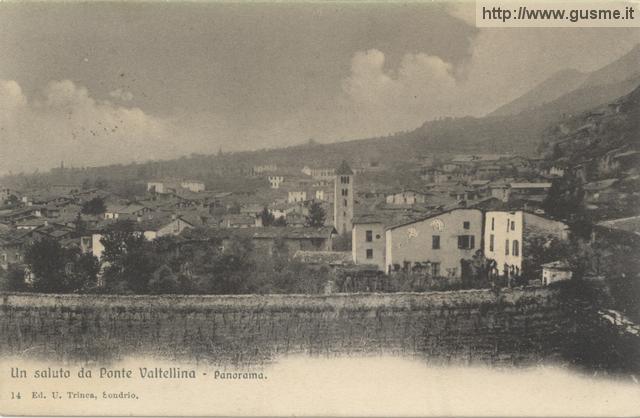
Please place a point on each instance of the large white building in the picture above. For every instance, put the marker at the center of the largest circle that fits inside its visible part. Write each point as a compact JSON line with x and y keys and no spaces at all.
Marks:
{"x":437,"y":243}
{"x":505,"y":236}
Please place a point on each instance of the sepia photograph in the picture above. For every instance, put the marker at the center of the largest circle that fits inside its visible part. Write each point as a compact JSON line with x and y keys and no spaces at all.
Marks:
{"x":325,"y":208}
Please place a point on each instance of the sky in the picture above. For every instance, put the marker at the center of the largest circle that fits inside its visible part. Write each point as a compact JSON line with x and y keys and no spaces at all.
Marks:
{"x":100,"y":83}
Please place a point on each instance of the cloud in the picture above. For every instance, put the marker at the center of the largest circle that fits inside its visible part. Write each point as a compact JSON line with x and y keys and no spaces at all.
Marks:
{"x":63,"y":122}
{"x":463,"y":10}
{"x":394,"y":99}
{"x":121,"y":94}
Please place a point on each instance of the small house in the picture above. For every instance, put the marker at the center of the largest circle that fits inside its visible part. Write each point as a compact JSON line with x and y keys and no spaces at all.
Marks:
{"x":555,"y":272}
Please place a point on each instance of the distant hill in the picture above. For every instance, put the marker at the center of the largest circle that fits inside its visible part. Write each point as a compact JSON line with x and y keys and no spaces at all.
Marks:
{"x":572,"y":91}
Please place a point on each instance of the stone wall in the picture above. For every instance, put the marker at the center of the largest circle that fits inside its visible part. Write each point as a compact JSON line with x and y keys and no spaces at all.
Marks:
{"x":515,"y":327}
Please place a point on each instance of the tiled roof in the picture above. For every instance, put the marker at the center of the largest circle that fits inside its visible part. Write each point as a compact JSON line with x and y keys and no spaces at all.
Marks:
{"x":338,"y":258}
{"x":279,"y":232}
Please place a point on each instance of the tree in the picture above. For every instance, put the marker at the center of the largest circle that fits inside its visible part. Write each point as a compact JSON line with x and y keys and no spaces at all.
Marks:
{"x":280,"y":221}
{"x":130,"y":259}
{"x":316,"y":215}
{"x":231,"y":270}
{"x":46,"y":260}
{"x":81,"y":227}
{"x":61,"y":270}
{"x":12,"y":279}
{"x":81,"y":271}
{"x":565,"y":198}
{"x":95,"y":206}
{"x":164,"y":281}
{"x":267,"y":217}
{"x":12,"y":200}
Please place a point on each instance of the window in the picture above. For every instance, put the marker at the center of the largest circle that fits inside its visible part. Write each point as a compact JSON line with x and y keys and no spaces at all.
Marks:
{"x":369,"y":253}
{"x":369,"y":236}
{"x":466,"y":225}
{"x":513,"y":226}
{"x":435,"y":269}
{"x":516,"y":247}
{"x":491,"y":242}
{"x":345,"y":202}
{"x":435,"y":242}
{"x":506,"y":247}
{"x":508,"y":223}
{"x":493,"y":223}
{"x":345,"y":192}
{"x":466,"y":242}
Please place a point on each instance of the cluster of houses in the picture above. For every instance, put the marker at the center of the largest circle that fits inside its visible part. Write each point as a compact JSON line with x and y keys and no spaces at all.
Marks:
{"x":465,"y":206}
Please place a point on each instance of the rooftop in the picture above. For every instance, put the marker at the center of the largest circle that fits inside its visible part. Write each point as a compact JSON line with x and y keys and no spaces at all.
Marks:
{"x":630,"y":224}
{"x":335,"y":258}
{"x":600,"y":185}
{"x":557,"y":265}
{"x":530,"y":185}
{"x":344,"y":169}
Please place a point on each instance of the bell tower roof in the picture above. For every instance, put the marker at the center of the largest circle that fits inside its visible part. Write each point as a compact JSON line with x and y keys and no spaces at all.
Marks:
{"x":344,"y":169}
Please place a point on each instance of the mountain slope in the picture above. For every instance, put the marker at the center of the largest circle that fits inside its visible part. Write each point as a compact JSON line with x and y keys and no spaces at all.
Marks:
{"x":552,"y":88}
{"x":574,"y":92}
{"x":602,"y":146}
{"x":614,"y":127}
{"x":624,"y":68}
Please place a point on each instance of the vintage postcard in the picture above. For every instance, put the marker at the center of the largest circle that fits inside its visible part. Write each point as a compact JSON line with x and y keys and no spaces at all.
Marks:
{"x":403,"y":208}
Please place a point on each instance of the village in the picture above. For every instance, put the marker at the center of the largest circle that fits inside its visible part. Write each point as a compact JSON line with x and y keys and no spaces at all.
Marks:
{"x":476,"y":220}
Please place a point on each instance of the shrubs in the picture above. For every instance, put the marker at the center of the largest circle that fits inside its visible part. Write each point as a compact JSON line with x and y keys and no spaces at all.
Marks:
{"x":53,"y":268}
{"x":13,"y":279}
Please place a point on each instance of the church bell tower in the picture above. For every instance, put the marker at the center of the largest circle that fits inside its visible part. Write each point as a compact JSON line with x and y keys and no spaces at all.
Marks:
{"x":343,"y":199}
